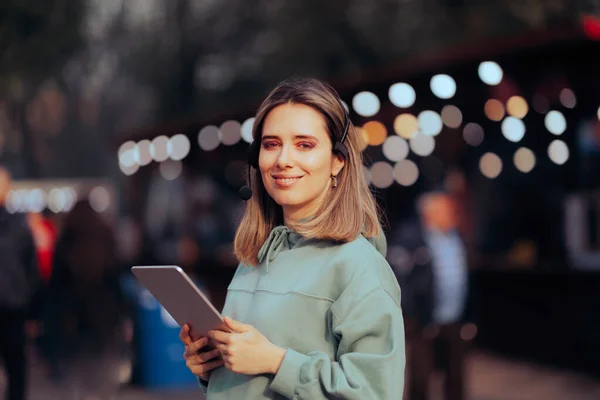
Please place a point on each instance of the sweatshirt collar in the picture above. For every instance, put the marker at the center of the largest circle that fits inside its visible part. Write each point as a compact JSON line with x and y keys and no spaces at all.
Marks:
{"x":281,"y":238}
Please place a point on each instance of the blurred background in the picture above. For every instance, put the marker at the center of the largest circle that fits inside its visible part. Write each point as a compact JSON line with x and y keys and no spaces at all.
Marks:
{"x":124,"y":126}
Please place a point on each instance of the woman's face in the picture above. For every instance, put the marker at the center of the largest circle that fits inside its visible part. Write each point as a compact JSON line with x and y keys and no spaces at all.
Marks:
{"x":296,"y":160}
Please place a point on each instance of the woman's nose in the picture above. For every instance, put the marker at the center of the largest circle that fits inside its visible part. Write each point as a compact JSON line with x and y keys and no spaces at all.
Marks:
{"x":284,"y":158}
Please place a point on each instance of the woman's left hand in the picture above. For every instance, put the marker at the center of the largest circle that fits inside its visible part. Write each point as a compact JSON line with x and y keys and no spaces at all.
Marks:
{"x":246,"y":350}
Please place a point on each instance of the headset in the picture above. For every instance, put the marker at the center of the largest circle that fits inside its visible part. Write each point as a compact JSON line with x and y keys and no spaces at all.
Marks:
{"x":339,"y":147}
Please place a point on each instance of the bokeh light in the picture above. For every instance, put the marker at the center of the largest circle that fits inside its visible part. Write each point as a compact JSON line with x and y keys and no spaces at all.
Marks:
{"x":430,"y":123}
{"x":247,"y":130}
{"x":178,"y":147}
{"x":99,"y":199}
{"x":406,"y":172}
{"x":382,"y":174}
{"x":567,"y":98}
{"x":494,"y":110}
{"x":170,"y":169}
{"x":490,"y":165}
{"x":158,"y":148}
{"x":402,"y":95}
{"x":517,"y":107}
{"x":513,"y":129}
{"x":443,"y":86}
{"x":230,"y":132}
{"x":490,"y":73}
{"x":141,"y":152}
{"x":473,"y":134}
{"x":36,"y":200}
{"x":451,"y":116}
{"x":126,"y":154}
{"x":555,"y":122}
{"x":422,"y":145}
{"x":558,"y":151}
{"x":366,"y":104}
{"x":395,"y":148}
{"x":376,"y":132}
{"x":524,"y":160}
{"x":406,"y":125}
{"x":208,"y":138}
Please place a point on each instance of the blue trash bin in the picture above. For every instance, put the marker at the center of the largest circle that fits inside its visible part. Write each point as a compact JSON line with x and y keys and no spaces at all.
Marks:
{"x":159,"y":352}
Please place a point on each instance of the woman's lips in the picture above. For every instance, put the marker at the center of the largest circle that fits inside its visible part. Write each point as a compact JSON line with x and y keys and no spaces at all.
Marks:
{"x":285,"y":182}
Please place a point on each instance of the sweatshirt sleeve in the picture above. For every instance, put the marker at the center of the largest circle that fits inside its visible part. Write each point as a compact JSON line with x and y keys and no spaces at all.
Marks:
{"x":370,"y":359}
{"x":203,"y":386}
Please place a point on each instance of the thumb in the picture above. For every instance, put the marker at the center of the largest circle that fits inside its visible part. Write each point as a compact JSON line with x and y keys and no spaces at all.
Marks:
{"x":236,"y":326}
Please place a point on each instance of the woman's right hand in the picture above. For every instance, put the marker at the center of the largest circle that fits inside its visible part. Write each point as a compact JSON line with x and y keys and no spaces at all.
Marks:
{"x":201,"y":364}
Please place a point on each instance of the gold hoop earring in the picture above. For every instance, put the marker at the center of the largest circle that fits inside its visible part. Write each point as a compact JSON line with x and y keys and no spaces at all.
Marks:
{"x":333,"y":181}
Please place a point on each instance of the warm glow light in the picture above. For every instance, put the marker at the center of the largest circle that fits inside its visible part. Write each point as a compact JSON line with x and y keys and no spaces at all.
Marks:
{"x":494,"y":110}
{"x":451,"y":116}
{"x":524,"y":160}
{"x":406,"y":125}
{"x":376,"y":132}
{"x":517,"y":107}
{"x":490,"y":165}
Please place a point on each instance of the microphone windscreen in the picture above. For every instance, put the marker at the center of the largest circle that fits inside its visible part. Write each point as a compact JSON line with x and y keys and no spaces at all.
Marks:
{"x":245,"y":192}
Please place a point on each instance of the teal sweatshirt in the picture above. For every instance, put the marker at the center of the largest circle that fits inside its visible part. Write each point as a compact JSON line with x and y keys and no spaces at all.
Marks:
{"x":335,"y":308}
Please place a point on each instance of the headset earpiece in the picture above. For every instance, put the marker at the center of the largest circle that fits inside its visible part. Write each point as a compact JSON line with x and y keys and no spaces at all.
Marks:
{"x":253,"y":151}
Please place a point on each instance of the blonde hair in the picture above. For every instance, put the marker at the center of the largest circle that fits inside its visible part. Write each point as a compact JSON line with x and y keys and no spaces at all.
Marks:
{"x":347,"y":211}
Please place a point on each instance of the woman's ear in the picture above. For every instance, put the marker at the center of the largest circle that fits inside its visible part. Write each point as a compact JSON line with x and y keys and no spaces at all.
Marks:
{"x":338,"y":163}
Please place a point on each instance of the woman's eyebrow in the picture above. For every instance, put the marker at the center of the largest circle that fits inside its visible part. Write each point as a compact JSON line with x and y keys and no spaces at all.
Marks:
{"x":299,"y":136}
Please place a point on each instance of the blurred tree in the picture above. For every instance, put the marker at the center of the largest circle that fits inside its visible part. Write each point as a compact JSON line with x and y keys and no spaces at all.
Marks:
{"x":36,"y":40}
{"x":113,"y":66}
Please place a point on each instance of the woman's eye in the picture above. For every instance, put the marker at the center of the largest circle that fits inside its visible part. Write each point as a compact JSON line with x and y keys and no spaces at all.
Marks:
{"x":268,"y":145}
{"x":305,"y":145}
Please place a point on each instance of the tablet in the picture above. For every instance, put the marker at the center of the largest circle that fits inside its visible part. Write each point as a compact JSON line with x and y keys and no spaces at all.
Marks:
{"x":176,"y":292}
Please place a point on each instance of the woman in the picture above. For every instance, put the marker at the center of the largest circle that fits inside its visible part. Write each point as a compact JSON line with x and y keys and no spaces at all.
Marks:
{"x":313,"y":308}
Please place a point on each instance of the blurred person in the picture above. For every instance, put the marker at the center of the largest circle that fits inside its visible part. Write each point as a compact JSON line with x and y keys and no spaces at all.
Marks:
{"x":313,"y":308}
{"x":19,"y":278}
{"x":429,"y":260}
{"x":86,"y":312}
{"x":44,"y":235}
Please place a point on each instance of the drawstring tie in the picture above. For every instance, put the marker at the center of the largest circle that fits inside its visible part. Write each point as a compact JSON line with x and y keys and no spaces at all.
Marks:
{"x":276,"y":242}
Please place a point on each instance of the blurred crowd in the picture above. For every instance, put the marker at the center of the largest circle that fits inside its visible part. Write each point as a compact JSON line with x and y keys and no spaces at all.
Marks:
{"x":62,"y":292}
